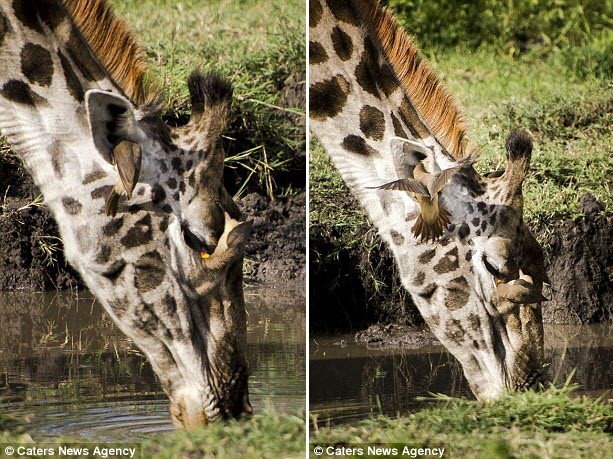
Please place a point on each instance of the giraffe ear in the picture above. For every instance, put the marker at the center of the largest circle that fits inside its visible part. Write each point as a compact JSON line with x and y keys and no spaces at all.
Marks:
{"x":411,"y":150}
{"x":111,"y":119}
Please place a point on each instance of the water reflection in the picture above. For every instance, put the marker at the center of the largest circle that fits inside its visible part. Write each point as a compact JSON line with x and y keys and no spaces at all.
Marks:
{"x":66,"y":368}
{"x":349,"y":381}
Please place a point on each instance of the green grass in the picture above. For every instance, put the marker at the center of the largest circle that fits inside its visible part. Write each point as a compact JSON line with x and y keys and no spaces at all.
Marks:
{"x":265,"y":435}
{"x":258,"y":45}
{"x":552,"y":423}
{"x":512,"y":27}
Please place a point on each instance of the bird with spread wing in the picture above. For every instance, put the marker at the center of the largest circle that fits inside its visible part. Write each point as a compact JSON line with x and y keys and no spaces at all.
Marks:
{"x":423,"y":180}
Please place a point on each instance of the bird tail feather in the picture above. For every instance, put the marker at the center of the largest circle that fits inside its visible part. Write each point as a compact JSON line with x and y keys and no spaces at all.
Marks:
{"x":432,"y":228}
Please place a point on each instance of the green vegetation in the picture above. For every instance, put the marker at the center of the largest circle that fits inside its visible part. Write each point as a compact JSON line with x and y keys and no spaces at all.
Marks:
{"x":511,"y":27}
{"x":260,"y":46}
{"x":265,"y":435}
{"x":551,"y":423}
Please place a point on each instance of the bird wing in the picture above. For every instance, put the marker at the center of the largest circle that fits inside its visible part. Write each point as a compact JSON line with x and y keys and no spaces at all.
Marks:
{"x":405,"y":184}
{"x":128,"y":157}
{"x":441,"y":179}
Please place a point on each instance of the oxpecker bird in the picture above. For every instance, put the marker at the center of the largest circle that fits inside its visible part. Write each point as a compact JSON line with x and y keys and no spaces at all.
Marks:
{"x":422,"y":179}
{"x":127,"y":157}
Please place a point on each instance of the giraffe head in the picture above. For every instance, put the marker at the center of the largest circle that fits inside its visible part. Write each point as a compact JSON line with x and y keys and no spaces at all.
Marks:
{"x":204,"y":235}
{"x":167,"y":265}
{"x":478,"y":284}
{"x":482,"y":297}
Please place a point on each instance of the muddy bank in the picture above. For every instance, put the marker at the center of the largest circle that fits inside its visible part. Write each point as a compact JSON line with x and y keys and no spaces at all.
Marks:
{"x":276,"y":251}
{"x":356,"y":288}
{"x":579,"y":264}
{"x":31,"y":253}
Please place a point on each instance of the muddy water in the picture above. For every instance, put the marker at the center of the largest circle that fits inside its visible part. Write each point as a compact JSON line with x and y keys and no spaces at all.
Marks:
{"x":68,"y":370}
{"x":350,"y":381}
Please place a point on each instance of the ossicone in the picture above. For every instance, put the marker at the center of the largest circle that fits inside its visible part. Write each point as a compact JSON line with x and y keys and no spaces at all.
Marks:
{"x":519,"y":145}
{"x":208,"y":90}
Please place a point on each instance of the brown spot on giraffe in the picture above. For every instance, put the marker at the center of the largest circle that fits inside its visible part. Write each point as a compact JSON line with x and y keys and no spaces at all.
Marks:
{"x":315,"y":13}
{"x":81,"y":57}
{"x":164,"y":223}
{"x":71,"y":205}
{"x":372,"y":122}
{"x":458,"y":294}
{"x":162,"y":165}
{"x":398,"y":130}
{"x":419,"y":279}
{"x":19,"y":92}
{"x":111,"y":228}
{"x":387,"y":81}
{"x":157,"y":193}
{"x":26,"y":12}
{"x":474,"y":322}
{"x":428,"y":291}
{"x":454,"y":331}
{"x":140,"y":233}
{"x":72,"y":80}
{"x":426,"y":256}
{"x":366,"y":71}
{"x":342,"y":44}
{"x":5,"y":27}
{"x":115,"y":270}
{"x":171,"y":305}
{"x":357,"y":145}
{"x":102,"y":192}
{"x":411,"y":119}
{"x":448,"y":263}
{"x":149,"y":272}
{"x":104,"y":255}
{"x":36,"y":64}
{"x":177,"y":166}
{"x":397,"y":238}
{"x":327,"y":98}
{"x":463,"y":231}
{"x":49,"y":14}
{"x":342,"y":10}
{"x":317,"y":53}
{"x":56,"y":151}
{"x":172,"y":183}
{"x":94,"y":176}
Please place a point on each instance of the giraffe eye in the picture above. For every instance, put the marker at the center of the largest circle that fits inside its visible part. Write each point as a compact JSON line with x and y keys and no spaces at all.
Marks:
{"x":498,"y":276}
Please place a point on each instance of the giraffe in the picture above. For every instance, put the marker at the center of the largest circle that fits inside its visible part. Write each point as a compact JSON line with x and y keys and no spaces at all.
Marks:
{"x":168,"y":266}
{"x":371,"y":94}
